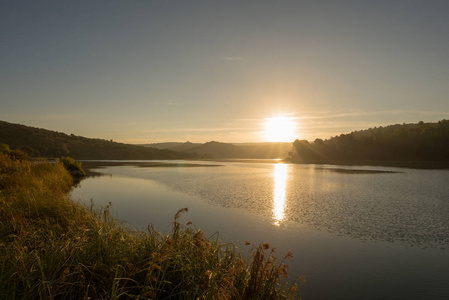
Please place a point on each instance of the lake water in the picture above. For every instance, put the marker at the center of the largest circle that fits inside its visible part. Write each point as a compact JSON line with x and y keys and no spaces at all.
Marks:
{"x":355,"y":232}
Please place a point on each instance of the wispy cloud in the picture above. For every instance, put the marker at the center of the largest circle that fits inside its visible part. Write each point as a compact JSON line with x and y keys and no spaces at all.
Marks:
{"x":355,"y":113}
{"x":310,"y":125}
{"x":141,"y":123}
{"x":34,"y":116}
{"x":162,"y":103}
{"x":231,"y":58}
{"x":194,"y":129}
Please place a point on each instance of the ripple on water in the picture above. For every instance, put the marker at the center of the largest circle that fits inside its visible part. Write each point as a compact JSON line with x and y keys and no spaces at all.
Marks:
{"x":369,"y":203}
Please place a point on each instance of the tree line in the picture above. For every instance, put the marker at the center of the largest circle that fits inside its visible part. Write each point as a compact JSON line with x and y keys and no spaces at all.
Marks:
{"x":421,"y":142}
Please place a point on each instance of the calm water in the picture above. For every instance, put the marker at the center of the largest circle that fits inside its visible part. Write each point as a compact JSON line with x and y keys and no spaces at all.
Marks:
{"x":355,"y":232}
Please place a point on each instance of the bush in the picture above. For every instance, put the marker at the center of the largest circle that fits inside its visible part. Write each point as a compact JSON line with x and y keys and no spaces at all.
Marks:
{"x":14,"y":154}
{"x":74,"y":167}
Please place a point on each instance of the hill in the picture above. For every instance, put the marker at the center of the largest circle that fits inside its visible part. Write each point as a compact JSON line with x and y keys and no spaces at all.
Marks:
{"x":421,"y":142}
{"x":217,"y":150}
{"x":265,"y":150}
{"x":47,"y":143}
{"x":228,"y":150}
{"x":182,"y":147}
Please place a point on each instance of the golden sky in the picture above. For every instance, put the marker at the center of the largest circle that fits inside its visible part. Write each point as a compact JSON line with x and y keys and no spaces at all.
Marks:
{"x":152,"y":71}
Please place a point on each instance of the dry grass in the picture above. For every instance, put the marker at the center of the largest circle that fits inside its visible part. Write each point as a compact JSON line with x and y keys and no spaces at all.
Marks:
{"x":54,"y":248}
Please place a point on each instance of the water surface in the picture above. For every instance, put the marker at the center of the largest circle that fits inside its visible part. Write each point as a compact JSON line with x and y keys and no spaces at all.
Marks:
{"x":356,"y":232}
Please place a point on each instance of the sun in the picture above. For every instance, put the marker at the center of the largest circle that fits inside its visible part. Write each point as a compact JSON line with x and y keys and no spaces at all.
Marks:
{"x":280,"y":129}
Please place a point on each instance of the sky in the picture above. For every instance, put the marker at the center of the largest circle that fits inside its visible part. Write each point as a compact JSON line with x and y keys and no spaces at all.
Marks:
{"x":151,"y":71}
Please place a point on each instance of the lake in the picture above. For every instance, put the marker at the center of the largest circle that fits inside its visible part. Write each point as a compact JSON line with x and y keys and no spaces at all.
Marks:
{"x":356,"y":232}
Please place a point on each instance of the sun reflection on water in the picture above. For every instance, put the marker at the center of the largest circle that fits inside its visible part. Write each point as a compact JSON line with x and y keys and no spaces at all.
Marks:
{"x":280,"y":183}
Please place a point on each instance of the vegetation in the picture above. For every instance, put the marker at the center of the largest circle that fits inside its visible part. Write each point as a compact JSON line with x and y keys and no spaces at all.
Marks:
{"x":45,"y":143}
{"x":54,"y":248}
{"x":15,"y":154}
{"x":422,"y":142}
{"x":74,"y":167}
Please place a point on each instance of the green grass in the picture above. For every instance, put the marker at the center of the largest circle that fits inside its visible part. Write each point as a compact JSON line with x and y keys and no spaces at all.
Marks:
{"x":54,"y":248}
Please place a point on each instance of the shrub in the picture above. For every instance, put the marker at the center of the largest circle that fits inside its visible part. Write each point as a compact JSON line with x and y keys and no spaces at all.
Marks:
{"x":14,"y":154}
{"x":74,"y":167}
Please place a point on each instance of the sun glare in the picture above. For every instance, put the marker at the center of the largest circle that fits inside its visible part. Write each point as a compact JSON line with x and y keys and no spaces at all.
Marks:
{"x":280,"y":129}
{"x":279,"y":199}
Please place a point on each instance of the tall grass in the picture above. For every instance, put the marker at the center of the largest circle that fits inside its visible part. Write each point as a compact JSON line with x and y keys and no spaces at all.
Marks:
{"x":74,"y":167}
{"x":54,"y":248}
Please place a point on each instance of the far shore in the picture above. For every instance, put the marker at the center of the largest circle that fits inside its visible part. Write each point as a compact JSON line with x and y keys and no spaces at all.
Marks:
{"x":396,"y":164}
{"x":89,"y":164}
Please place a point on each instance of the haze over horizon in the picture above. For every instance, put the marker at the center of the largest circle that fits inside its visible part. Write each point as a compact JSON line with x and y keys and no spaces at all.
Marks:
{"x":155,"y":71}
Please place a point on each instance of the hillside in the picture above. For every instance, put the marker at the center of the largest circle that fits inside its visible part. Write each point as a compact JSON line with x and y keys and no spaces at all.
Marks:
{"x":265,"y":150}
{"x":47,"y":143}
{"x":181,"y":147}
{"x":228,"y":150}
{"x":421,"y":142}
{"x":217,"y":150}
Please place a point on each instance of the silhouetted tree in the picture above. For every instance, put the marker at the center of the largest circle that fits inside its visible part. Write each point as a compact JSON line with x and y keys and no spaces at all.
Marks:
{"x":425,"y":142}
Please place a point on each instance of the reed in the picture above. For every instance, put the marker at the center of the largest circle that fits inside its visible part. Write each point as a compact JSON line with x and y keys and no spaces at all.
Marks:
{"x":54,"y":248}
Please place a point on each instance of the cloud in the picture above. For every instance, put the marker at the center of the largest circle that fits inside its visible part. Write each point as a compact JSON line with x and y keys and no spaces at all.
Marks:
{"x":356,"y":113}
{"x":141,"y":123}
{"x":163,"y":103}
{"x":231,"y":58}
{"x":33,"y":116}
{"x":193,"y":129}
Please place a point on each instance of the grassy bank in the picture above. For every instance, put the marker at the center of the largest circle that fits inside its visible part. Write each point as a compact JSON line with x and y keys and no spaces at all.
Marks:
{"x":54,"y":248}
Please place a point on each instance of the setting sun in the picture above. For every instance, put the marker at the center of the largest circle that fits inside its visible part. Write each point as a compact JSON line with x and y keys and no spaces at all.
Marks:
{"x":280,"y":129}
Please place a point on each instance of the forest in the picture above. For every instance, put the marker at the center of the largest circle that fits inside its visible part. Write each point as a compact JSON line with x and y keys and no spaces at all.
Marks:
{"x":38,"y":142}
{"x":420,"y":142}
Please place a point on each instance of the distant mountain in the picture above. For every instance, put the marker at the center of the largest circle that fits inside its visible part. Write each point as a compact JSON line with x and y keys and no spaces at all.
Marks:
{"x":227,"y":150}
{"x":265,"y":150}
{"x":47,"y":143}
{"x":420,"y":142}
{"x":217,"y":150}
{"x":186,"y":147}
{"x":182,"y":147}
{"x":167,"y":145}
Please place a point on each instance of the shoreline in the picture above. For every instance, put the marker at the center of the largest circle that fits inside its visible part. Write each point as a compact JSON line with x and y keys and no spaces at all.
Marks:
{"x":397,"y":164}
